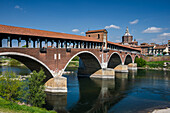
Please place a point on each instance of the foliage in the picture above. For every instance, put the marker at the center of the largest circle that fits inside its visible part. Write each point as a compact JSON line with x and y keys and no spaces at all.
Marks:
{"x":75,"y":58}
{"x":156,"y":64}
{"x":140,"y":62}
{"x":73,"y":64}
{"x":36,"y":95}
{"x":14,"y":62}
{"x":24,"y":46}
{"x":7,"y":106}
{"x":10,"y":86}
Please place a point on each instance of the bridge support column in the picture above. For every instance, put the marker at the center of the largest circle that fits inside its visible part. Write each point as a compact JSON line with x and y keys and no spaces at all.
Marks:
{"x":8,"y":42}
{"x":38,"y":43}
{"x":132,"y":66}
{"x":29,"y":43}
{"x":107,"y":73}
{"x":90,"y":45}
{"x":52,"y":43}
{"x":86,"y":45}
{"x":33,"y":43}
{"x":78,"y":44}
{"x":56,"y":85}
{"x":46,"y":43}
{"x":59,"y":44}
{"x":121,"y":68}
{"x":0,"y":42}
{"x":19,"y":42}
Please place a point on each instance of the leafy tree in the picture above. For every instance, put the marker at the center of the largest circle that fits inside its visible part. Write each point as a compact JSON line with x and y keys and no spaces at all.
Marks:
{"x":36,"y":95}
{"x":76,"y":58}
{"x":140,"y":62}
{"x":10,"y":86}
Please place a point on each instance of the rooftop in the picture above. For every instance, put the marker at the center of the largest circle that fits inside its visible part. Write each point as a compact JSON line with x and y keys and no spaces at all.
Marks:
{"x":5,"y":29}
{"x":95,"y":31}
{"x":120,"y":45}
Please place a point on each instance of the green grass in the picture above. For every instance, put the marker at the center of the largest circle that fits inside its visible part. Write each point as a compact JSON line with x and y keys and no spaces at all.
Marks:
{"x":157,"y":64}
{"x":9,"y":107}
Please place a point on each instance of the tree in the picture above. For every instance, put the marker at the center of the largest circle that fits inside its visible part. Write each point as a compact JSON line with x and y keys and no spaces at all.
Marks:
{"x":36,"y":95}
{"x":10,"y":86}
{"x":140,"y":62}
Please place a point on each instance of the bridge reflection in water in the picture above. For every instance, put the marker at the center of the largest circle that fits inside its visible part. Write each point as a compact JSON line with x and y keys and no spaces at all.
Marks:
{"x":95,"y":95}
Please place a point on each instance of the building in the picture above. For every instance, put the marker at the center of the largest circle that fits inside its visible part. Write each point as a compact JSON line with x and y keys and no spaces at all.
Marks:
{"x":153,"y":49}
{"x":127,"y":39}
{"x":99,"y":34}
{"x":169,"y":47}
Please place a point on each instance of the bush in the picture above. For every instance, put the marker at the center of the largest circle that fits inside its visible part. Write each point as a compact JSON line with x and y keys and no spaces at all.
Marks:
{"x":75,"y":58}
{"x":35,"y":94}
{"x":10,"y":86}
{"x":140,"y":62}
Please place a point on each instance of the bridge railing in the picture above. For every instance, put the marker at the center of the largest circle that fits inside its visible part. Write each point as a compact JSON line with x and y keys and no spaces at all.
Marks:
{"x":35,"y":42}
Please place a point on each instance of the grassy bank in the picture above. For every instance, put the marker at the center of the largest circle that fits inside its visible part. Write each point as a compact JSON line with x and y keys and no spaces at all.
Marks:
{"x":10,"y":62}
{"x":157,"y":64}
{"x":9,"y":107}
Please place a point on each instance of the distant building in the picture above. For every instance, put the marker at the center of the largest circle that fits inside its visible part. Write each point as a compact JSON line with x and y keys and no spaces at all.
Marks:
{"x":169,"y":47}
{"x":153,"y":49}
{"x":127,"y":39}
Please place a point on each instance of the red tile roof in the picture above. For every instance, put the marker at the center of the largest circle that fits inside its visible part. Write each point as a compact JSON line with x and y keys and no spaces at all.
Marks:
{"x":160,"y":47}
{"x":100,"y":30}
{"x":41,"y":33}
{"x":124,"y":46}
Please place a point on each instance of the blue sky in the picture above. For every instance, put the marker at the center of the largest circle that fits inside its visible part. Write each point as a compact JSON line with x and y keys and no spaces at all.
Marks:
{"x":148,"y":20}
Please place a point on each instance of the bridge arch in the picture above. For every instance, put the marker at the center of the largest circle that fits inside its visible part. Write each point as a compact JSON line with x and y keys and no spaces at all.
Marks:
{"x":89,"y":60}
{"x":128,"y":59}
{"x":114,"y":60}
{"x":31,"y":62}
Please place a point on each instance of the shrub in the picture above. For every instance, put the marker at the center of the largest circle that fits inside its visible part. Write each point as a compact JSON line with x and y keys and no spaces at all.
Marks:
{"x":10,"y":86}
{"x":140,"y":62}
{"x":35,"y":94}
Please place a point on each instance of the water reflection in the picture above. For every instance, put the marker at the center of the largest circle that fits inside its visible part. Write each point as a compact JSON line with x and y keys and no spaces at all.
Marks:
{"x":135,"y":91}
{"x":56,"y":102}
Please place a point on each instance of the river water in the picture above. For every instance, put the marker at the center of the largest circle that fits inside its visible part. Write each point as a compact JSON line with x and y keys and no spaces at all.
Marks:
{"x":138,"y":91}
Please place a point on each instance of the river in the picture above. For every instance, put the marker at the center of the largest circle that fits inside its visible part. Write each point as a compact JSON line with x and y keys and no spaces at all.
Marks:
{"x":137,"y":91}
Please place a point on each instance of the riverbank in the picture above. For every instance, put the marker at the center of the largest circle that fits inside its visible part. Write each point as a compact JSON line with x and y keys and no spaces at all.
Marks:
{"x":157,"y":65}
{"x":10,"y":62}
{"x":9,"y":107}
{"x":162,"y":110}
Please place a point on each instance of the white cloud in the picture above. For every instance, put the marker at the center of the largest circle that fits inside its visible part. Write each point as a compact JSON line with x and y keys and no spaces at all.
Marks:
{"x":165,"y":34}
{"x":18,"y":7}
{"x":117,"y":41}
{"x":75,"y":30}
{"x":152,"y":30}
{"x":134,"y":22}
{"x":82,"y":33}
{"x":112,"y":26}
